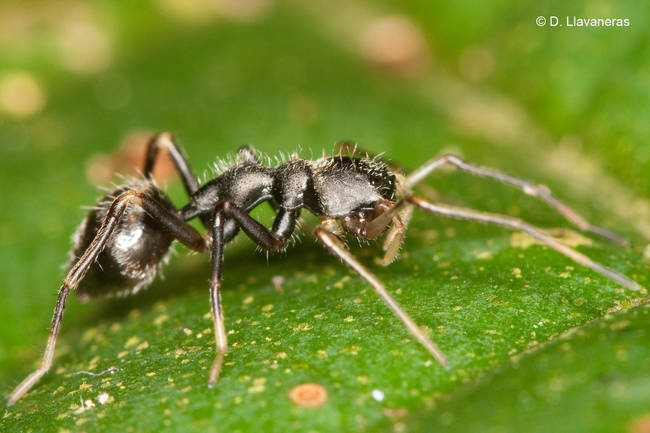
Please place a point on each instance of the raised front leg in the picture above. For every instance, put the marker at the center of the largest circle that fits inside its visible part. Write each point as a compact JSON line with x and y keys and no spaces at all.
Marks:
{"x":166,"y":141}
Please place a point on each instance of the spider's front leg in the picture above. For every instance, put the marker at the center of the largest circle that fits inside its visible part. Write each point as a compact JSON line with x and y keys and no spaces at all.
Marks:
{"x":146,"y":217}
{"x":166,"y":141}
{"x":332,"y":242}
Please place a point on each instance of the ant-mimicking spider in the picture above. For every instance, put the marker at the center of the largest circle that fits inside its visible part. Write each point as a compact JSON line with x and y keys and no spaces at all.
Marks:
{"x":130,"y":230}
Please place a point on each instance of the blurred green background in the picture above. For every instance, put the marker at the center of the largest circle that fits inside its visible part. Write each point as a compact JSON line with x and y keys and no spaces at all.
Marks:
{"x":568,"y":107}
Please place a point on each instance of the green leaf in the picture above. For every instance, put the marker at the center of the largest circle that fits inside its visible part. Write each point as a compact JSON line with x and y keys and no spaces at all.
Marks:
{"x":497,"y":304}
{"x":588,"y":379}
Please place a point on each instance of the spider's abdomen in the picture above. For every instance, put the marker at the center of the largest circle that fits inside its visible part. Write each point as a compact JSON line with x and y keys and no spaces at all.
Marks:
{"x":134,"y":254}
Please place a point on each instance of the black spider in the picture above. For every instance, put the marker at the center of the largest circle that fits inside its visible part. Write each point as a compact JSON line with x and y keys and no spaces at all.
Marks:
{"x":130,"y":230}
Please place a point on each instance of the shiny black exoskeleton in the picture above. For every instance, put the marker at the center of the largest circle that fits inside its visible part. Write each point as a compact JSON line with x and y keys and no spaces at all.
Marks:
{"x":329,"y":188}
{"x":135,"y":252}
{"x":124,"y":240}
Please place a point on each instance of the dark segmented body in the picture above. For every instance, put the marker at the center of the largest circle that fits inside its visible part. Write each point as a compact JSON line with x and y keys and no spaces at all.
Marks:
{"x":122,"y":243}
{"x":330,"y":187}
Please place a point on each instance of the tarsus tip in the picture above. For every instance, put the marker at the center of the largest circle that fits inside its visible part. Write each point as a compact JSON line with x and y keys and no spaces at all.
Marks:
{"x":637,"y":287}
{"x":12,"y":400}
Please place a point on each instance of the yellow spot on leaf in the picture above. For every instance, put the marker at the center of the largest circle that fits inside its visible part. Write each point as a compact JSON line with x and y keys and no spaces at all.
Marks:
{"x":567,"y":237}
{"x":339,"y":284}
{"x":363,"y":379}
{"x":160,"y":319}
{"x":353,"y":350}
{"x":142,"y":346}
{"x":302,"y":327}
{"x":258,"y":385}
{"x":131,"y":342}
{"x":484,"y":255}
{"x":621,"y":324}
{"x":89,"y":335}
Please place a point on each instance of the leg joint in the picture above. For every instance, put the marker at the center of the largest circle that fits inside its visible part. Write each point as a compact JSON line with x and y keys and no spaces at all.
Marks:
{"x":226,"y":206}
{"x":131,"y":196}
{"x":452,"y":159}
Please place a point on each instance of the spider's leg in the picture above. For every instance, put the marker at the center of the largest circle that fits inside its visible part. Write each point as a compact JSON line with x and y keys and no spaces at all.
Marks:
{"x":221,"y":339}
{"x":46,"y":362}
{"x":270,"y":240}
{"x":529,"y":188}
{"x":395,"y":236}
{"x":399,"y":215}
{"x":333,"y":243}
{"x":517,"y":224}
{"x":166,"y":141}
{"x":174,"y":224}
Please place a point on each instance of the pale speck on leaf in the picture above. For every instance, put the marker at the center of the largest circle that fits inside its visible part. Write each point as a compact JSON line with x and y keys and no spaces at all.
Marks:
{"x":160,"y":319}
{"x":131,"y":342}
{"x":377,"y":394}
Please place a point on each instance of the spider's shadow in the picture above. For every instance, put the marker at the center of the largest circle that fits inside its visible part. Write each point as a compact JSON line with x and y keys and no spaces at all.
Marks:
{"x":181,"y":279}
